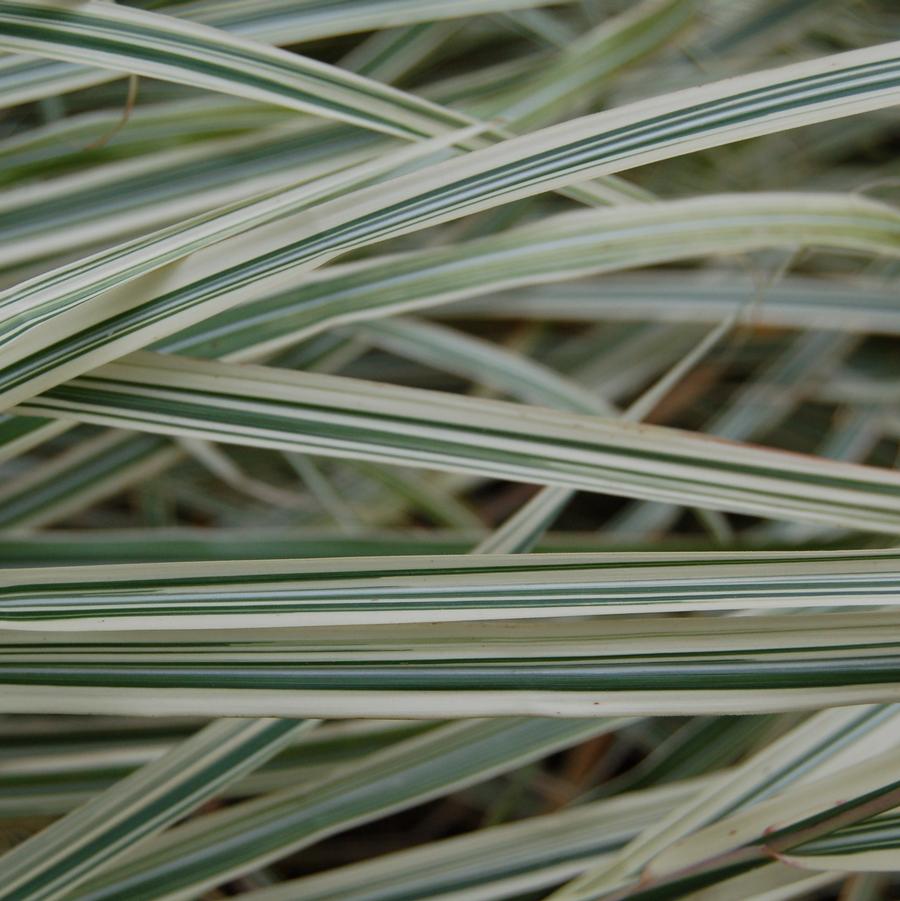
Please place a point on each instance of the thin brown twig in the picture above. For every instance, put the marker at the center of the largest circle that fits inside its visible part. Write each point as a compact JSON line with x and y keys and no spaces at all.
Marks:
{"x":130,"y":101}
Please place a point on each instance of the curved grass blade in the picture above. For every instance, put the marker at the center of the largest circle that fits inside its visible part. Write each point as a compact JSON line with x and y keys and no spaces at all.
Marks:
{"x":803,"y":753}
{"x":210,"y":851}
{"x":595,"y":240}
{"x":347,"y":418}
{"x":498,"y":862}
{"x":51,"y":774}
{"x":52,"y":863}
{"x":754,"y":410}
{"x":789,"y":820}
{"x":560,"y":247}
{"x":20,"y":433}
{"x":89,"y":471}
{"x":162,"y":301}
{"x":147,"y":192}
{"x":487,"y":362}
{"x":157,"y":46}
{"x":851,"y":305}
{"x":23,"y":79}
{"x":148,"y":44}
{"x":158,"y":188}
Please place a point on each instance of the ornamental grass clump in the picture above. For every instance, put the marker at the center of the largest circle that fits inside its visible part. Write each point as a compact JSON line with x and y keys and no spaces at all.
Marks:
{"x":448,"y":450}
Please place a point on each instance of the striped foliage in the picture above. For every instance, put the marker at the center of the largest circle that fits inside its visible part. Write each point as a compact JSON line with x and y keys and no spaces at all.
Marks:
{"x":448,"y":450}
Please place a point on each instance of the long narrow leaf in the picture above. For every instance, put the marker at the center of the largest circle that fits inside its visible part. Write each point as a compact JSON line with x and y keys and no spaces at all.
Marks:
{"x":336,"y":416}
{"x":160,"y":302}
{"x":54,"y":862}
{"x":209,"y":851}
